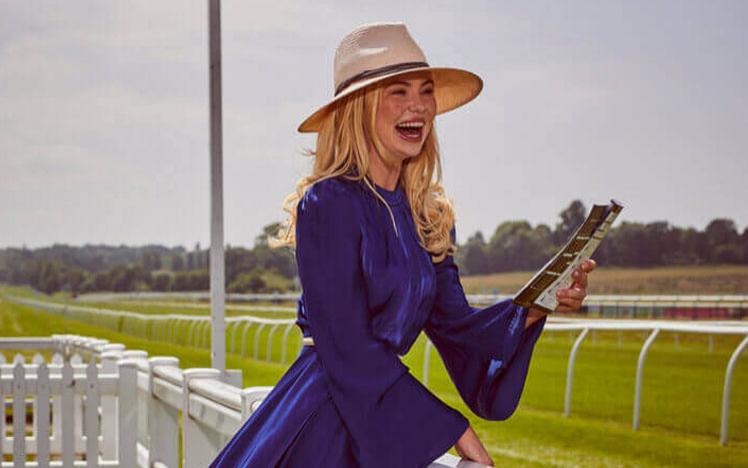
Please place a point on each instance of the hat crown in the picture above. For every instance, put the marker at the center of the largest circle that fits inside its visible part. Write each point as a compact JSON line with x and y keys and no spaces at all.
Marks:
{"x":373,"y":46}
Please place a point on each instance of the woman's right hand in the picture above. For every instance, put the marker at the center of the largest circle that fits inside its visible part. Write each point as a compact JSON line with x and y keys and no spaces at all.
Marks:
{"x":470,"y":448}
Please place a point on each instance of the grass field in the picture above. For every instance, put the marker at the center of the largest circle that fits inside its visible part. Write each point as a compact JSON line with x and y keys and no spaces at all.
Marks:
{"x":710,"y":279}
{"x":680,"y":406}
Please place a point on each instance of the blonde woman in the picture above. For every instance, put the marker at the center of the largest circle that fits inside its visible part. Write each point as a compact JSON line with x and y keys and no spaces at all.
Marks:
{"x":374,"y":237}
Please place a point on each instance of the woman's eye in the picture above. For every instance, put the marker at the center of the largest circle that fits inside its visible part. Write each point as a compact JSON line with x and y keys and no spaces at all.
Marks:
{"x":428,"y":91}
{"x":399,"y":91}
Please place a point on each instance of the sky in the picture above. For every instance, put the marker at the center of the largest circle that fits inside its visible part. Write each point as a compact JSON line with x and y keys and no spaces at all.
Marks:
{"x":104,"y":124}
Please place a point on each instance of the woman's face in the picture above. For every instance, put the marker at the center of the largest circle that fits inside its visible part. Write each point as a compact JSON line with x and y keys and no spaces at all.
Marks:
{"x":405,"y":114}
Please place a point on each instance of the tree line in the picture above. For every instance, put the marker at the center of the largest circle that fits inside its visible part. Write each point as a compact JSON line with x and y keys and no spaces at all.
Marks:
{"x":95,"y":268}
{"x":518,"y":246}
{"x":514,"y":246}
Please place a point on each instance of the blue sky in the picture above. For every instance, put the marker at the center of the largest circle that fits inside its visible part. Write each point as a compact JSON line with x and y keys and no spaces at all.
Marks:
{"x":104,"y":111}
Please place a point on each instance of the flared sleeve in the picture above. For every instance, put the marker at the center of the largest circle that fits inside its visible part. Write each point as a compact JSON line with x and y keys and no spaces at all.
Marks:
{"x":392,"y":419}
{"x":487,"y":350}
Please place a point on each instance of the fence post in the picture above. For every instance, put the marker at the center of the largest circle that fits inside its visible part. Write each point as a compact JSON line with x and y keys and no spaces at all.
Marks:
{"x":640,"y":374}
{"x":257,"y":340}
{"x":200,"y":445}
{"x":68,"y":416}
{"x":19,"y":416}
{"x":127,"y":413}
{"x":251,"y":398}
{"x":270,"y":341}
{"x":109,"y":408}
{"x":426,"y":362}
{"x":570,"y":370}
{"x":728,"y":387}
{"x":92,"y":415}
{"x":163,"y":420}
{"x":285,"y":342}
{"x":244,"y":336}
{"x":42,"y":418}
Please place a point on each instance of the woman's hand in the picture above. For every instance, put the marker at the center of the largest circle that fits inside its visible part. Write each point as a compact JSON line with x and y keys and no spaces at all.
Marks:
{"x":569,"y":299}
{"x":470,"y":448}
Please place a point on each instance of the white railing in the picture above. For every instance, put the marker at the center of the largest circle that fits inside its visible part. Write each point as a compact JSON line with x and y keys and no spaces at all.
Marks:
{"x":653,"y":305}
{"x":90,"y":422}
{"x":194,"y":330}
{"x":653,"y":327}
{"x":122,"y":409}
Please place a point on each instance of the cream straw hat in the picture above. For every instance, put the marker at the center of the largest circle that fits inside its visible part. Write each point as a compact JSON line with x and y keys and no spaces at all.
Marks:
{"x":377,"y":51}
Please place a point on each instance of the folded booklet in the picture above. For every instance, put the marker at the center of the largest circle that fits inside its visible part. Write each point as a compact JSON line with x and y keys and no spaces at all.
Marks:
{"x":540,"y":291}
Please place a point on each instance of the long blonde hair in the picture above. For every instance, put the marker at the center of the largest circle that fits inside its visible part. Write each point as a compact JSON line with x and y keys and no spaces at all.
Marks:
{"x":342,"y":150}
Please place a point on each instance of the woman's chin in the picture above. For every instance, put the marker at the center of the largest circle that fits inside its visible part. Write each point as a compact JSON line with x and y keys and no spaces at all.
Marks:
{"x":410,"y":151}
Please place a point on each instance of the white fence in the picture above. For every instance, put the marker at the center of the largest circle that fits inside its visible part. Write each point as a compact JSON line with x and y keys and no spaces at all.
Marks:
{"x":122,"y":409}
{"x":194,"y":330}
{"x":733,"y":306}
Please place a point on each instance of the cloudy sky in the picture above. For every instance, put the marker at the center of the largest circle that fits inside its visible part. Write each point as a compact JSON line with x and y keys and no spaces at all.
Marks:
{"x":104,"y":111}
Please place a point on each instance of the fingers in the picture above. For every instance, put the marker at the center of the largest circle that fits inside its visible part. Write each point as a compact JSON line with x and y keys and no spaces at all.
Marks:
{"x":580,"y":279}
{"x":580,"y":273}
{"x":571,"y":293}
{"x":570,"y":299}
{"x":588,"y":265}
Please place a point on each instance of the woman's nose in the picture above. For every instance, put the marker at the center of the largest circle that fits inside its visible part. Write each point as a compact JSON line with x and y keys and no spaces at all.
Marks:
{"x":417,"y":104}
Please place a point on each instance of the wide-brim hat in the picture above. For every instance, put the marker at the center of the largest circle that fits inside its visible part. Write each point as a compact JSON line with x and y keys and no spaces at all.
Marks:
{"x":377,"y":51}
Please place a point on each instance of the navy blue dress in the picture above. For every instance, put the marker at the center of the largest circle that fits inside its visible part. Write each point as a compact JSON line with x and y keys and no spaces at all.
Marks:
{"x":367,"y":294}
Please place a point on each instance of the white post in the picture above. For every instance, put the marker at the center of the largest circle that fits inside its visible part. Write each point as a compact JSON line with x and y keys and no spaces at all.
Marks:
{"x":127,"y":413}
{"x":244,"y":336}
{"x":68,"y":416}
{"x":728,"y":387}
{"x":92,"y":415}
{"x":200,"y":444}
{"x":285,"y":342}
{"x":270,"y":342}
{"x":217,"y":267}
{"x":426,"y":362}
{"x":570,"y":371}
{"x":640,"y":374}
{"x":257,"y":340}
{"x":109,"y":409}
{"x":19,"y":416}
{"x":42,"y":418}
{"x":163,"y":421}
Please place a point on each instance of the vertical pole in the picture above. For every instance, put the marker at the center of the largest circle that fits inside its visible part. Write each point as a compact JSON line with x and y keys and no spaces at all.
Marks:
{"x":426,"y":362}
{"x":217,"y":286}
{"x":570,"y":370}
{"x":728,"y":386}
{"x":640,"y":375}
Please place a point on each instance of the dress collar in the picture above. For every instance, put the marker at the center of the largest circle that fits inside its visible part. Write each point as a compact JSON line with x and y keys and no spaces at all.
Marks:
{"x":393,"y":197}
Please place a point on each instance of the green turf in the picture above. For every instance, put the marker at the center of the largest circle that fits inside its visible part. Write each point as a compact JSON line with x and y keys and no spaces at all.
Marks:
{"x":680,"y":407}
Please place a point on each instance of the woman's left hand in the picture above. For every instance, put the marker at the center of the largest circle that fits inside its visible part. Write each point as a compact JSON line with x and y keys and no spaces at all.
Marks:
{"x":570,"y":299}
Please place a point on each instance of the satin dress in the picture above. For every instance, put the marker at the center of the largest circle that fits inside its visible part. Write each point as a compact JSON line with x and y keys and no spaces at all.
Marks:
{"x":348,"y":400}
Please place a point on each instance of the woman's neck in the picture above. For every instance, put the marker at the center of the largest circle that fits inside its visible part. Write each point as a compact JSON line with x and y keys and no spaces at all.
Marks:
{"x":381,"y":174}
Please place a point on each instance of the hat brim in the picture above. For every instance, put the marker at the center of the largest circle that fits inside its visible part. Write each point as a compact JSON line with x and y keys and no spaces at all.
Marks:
{"x":453,"y":87}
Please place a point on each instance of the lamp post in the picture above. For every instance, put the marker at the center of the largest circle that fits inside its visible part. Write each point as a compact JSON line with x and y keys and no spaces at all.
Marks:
{"x":217,"y":268}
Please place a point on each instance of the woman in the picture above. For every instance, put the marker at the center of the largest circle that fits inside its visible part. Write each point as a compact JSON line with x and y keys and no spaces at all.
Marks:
{"x":374,"y":237}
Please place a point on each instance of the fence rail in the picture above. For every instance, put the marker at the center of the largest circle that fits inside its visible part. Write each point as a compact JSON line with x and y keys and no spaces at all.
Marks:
{"x":699,"y":306}
{"x":194,"y":330}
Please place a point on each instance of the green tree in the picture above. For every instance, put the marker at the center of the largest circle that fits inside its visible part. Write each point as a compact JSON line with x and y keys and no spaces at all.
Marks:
{"x":571,"y":218}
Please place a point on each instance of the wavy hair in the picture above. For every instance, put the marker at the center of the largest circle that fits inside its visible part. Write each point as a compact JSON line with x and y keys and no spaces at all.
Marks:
{"x":343,"y":150}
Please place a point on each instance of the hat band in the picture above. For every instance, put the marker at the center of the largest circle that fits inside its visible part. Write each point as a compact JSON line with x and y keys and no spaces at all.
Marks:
{"x":379,"y":72}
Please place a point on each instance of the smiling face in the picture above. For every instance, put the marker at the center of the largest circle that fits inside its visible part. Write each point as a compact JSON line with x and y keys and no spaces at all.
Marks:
{"x":405,"y":114}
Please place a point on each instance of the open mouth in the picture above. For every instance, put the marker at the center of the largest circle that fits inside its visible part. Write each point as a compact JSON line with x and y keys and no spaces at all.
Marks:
{"x":410,"y":131}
